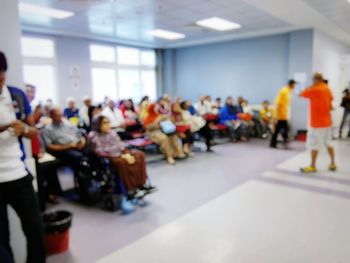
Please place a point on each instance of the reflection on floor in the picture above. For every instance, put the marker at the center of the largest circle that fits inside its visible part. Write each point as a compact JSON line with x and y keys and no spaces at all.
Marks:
{"x":245,"y":211}
{"x":282,"y":216}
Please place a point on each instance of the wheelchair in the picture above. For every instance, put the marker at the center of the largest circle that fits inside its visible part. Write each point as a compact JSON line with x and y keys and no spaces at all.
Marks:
{"x":95,"y":182}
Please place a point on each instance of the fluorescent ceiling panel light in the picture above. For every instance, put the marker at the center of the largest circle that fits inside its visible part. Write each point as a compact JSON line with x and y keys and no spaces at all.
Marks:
{"x":30,"y":9}
{"x":219,"y":24}
{"x":160,"y":33}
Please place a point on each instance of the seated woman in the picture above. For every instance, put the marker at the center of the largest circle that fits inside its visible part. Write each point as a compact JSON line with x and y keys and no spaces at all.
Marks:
{"x":129,"y":165}
{"x":197,"y":124}
{"x":228,"y":116}
{"x":130,"y":116}
{"x":167,"y":142}
{"x":183,"y":129}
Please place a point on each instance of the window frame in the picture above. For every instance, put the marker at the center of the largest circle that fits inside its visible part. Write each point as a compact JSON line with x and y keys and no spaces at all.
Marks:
{"x":140,"y":67}
{"x":42,"y":61}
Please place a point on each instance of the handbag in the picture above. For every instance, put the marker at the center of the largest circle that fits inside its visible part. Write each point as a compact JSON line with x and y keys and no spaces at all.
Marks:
{"x":168,"y":127}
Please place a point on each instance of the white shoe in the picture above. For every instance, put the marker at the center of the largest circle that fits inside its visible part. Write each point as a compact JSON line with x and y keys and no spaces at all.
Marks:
{"x":171,"y":161}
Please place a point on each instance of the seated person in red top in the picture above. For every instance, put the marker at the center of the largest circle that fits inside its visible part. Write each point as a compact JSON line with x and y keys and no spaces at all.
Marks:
{"x":183,"y":128}
{"x":129,"y":165}
{"x":130,"y":116}
{"x":168,"y":142}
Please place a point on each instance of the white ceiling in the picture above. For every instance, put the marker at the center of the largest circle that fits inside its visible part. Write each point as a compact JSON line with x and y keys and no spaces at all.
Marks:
{"x":127,"y":21}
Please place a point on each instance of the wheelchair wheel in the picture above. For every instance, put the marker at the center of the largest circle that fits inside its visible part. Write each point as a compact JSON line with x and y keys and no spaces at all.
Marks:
{"x":111,"y":204}
{"x":87,"y":185}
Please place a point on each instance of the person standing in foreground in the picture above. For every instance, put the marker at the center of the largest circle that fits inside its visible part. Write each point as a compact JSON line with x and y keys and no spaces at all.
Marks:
{"x":320,"y":130}
{"x":16,"y":187}
{"x":282,"y":103}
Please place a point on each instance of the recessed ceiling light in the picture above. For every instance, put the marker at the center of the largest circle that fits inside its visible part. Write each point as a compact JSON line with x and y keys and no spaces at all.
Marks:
{"x":169,"y":35}
{"x":30,"y":9}
{"x":219,"y":24}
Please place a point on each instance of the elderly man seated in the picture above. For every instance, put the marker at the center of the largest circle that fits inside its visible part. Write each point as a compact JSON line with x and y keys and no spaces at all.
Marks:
{"x":64,"y":140}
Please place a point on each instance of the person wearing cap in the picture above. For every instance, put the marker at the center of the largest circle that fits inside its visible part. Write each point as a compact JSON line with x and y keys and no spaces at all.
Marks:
{"x":282,"y":104}
{"x":320,"y":126}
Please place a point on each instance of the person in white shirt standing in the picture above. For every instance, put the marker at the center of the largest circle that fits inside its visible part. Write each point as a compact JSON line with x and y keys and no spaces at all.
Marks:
{"x":16,"y":189}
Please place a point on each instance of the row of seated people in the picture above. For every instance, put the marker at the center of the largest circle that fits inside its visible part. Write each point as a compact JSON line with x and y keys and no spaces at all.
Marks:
{"x":164,"y":123}
{"x":127,"y":118}
{"x":201,"y":119}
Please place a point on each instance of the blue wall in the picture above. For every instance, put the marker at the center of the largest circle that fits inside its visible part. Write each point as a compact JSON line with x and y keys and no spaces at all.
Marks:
{"x":300,"y":60}
{"x":255,"y":68}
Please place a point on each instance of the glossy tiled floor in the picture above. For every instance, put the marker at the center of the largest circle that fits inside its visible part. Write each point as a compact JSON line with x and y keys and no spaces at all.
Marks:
{"x":245,"y":203}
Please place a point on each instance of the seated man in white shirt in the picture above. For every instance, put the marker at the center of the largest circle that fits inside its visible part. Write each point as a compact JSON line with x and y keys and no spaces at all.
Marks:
{"x":203,"y":107}
{"x":116,"y":119}
{"x":84,"y":113}
{"x":63,"y":140}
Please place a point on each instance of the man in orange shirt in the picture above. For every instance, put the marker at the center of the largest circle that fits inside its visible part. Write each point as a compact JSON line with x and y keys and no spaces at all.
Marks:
{"x":320,"y":131}
{"x":282,"y":103}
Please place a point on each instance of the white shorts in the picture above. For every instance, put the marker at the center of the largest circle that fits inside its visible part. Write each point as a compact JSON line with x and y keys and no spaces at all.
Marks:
{"x":318,"y":138}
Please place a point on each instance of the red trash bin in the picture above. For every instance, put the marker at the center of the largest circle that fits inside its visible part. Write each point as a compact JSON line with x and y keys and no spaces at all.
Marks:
{"x":57,"y":225}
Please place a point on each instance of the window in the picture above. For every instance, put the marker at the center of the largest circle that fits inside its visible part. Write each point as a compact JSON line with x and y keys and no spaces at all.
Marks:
{"x":103,"y":84}
{"x":38,"y":47}
{"x":39,"y":68}
{"x":43,"y":78}
{"x":129,"y":84}
{"x":148,"y":83}
{"x":102,"y":53}
{"x":128,"y":56}
{"x":131,"y":72}
{"x":148,"y":58}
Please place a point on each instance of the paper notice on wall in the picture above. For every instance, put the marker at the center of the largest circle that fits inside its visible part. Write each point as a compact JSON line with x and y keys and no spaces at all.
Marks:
{"x":75,"y":83}
{"x":74,"y":71}
{"x":74,"y":75}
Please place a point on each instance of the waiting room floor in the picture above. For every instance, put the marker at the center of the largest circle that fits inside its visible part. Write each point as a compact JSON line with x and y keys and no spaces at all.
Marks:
{"x":245,"y":203}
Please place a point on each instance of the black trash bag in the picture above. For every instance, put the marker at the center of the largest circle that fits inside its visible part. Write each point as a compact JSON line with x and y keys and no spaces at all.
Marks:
{"x":56,"y":222}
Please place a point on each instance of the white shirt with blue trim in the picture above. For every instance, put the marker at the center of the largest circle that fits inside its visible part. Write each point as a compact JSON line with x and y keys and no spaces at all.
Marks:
{"x":11,"y":166}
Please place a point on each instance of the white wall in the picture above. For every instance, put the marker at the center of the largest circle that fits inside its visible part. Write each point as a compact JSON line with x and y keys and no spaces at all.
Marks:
{"x":327,"y":59}
{"x":73,"y":51}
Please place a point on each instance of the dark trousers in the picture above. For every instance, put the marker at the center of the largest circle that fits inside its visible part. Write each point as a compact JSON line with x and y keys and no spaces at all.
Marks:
{"x":207,"y":134}
{"x":346,"y":115}
{"x":20,"y":195}
{"x":188,"y":139}
{"x":125,"y":136}
{"x":70,"y":158}
{"x":281,"y":127}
